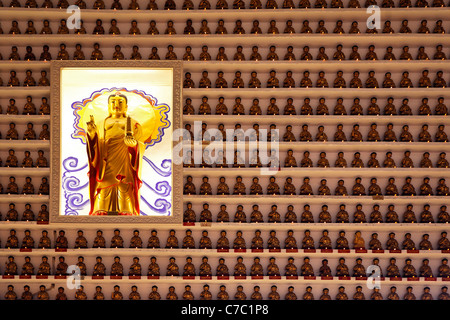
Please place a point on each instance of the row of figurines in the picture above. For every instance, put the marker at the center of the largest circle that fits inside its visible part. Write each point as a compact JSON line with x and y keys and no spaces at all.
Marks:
{"x":29,"y":108}
{"x":28,"y":187}
{"x":223,"y":4}
{"x":240,"y":269}
{"x":272,"y":133}
{"x":358,"y":189}
{"x":306,"y":216}
{"x":306,"y":82}
{"x":306,"y":108}
{"x":239,"y":55}
{"x":27,"y":162}
{"x":205,"y":242}
{"x":28,"y":214}
{"x":29,"y":80}
{"x":29,"y":133}
{"x":134,"y":29}
{"x":222,"y":294}
{"x":306,"y":162}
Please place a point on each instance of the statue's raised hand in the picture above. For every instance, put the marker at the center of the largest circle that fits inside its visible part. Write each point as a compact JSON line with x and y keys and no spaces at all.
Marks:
{"x":91,"y":127}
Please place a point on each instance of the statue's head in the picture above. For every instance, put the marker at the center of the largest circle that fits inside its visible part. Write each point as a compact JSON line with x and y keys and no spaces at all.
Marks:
{"x":117,"y":104}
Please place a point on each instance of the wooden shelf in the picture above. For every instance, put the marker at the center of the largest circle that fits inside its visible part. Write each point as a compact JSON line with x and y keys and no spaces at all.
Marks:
{"x":230,"y":40}
{"x":229,"y":282}
{"x":25,"y":144}
{"x":311,"y":14}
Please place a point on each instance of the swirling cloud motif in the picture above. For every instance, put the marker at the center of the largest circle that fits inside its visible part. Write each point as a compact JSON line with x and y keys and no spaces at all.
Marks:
{"x":166,"y":164}
{"x":162,"y":206}
{"x":73,"y":188}
{"x":153,"y":116}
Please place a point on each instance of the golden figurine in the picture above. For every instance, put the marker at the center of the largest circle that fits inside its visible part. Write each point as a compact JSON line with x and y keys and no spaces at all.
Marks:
{"x":114,"y":139}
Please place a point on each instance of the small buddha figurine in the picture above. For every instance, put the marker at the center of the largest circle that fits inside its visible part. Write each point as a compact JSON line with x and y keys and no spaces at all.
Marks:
{"x":99,"y":240}
{"x":117,"y":267}
{"x":356,"y":81}
{"x":172,"y":240}
{"x":14,"y":55}
{"x":78,"y":54}
{"x":323,"y":188}
{"x":339,"y":82}
{"x":152,"y":29}
{"x":189,"y":268}
{"x":325,"y":241}
{"x":322,"y":81}
{"x":424,"y":80}
{"x":44,"y":188}
{"x":425,"y":243}
{"x":274,"y":215}
{"x":442,"y":189}
{"x":374,"y":243}
{"x":442,"y":162}
{"x":272,"y":187}
{"x":341,"y":241}
{"x":408,"y":243}
{"x":289,"y":81}
{"x":13,"y":80}
{"x":170,"y":55}
{"x":153,"y":268}
{"x":12,"y":240}
{"x":342,"y":269}
{"x":14,"y":28}
{"x":43,"y":214}
{"x":440,"y":135}
{"x":405,"y":82}
{"x":439,"y":81}
{"x":44,"y":267}
{"x":341,"y":190}
{"x":439,"y":54}
{"x":359,"y":270}
{"x":342,"y":216}
{"x":325,"y":270}
{"x":306,"y":188}
{"x":254,"y":81}
{"x":118,"y":55}
{"x":28,"y":214}
{"x":205,"y":214}
{"x":340,"y":134}
{"x":117,"y":240}
{"x":221,"y":82}
{"x":172,"y":268}
{"x":240,"y":269}
{"x":359,"y":216}
{"x":371,"y":81}
{"x":389,"y":134}
{"x":80,"y":241}
{"x":324,"y":215}
{"x":28,"y":187}
{"x":409,"y":271}
{"x":135,"y":54}
{"x":438,"y":27}
{"x":136,"y":241}
{"x":238,"y":82}
{"x":12,"y":187}
{"x":340,"y":161}
{"x":272,"y":268}
{"x":12,"y":214}
{"x":441,"y":108}
{"x":373,"y":134}
{"x":354,"y":27}
{"x":27,"y":241}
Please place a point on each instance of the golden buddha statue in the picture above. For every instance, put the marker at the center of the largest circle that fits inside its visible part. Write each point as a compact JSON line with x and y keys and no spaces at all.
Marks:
{"x":115,"y":149}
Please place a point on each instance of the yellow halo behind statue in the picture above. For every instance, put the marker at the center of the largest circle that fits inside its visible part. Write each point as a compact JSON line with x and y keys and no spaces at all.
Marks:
{"x":139,"y":109}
